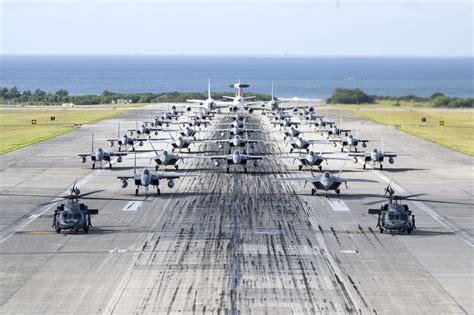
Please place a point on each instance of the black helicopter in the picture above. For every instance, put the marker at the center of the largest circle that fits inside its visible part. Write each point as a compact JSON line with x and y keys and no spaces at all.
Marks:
{"x":73,"y":215}
{"x":395,"y":216}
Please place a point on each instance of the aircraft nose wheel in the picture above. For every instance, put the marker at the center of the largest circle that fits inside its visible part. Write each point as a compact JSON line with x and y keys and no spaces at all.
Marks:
{"x":158,"y":191}
{"x":300,"y":167}
{"x":136,"y":192}
{"x":338,"y":191}
{"x":363,"y":166}
{"x":313,"y":191}
{"x":320,"y":167}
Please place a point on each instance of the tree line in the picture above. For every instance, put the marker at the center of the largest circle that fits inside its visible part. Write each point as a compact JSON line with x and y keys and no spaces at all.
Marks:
{"x":39,"y":97}
{"x":357,"y":96}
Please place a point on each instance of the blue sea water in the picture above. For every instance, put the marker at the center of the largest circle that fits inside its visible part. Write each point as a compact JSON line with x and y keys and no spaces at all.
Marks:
{"x":304,"y":77}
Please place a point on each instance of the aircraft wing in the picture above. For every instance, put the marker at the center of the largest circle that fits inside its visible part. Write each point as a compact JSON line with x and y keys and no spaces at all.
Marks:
{"x":357,"y":154}
{"x":84,"y":154}
{"x":118,"y":153}
{"x":359,"y":180}
{"x":212,"y":157}
{"x":318,"y":141}
{"x":254,"y":157}
{"x":306,"y":179}
{"x":389,"y":154}
{"x":126,"y":177}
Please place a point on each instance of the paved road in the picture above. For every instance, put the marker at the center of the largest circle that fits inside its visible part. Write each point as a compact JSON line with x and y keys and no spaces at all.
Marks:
{"x":237,"y":242}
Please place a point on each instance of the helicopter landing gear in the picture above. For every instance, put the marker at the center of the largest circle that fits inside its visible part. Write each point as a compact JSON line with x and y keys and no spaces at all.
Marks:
{"x":313,"y":191}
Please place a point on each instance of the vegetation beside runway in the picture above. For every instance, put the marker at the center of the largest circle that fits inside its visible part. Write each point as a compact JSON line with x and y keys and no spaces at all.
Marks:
{"x":451,"y":128}
{"x":17,"y":129}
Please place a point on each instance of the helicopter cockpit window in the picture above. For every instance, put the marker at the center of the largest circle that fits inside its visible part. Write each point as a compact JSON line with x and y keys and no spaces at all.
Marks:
{"x":77,"y":216}
{"x":391,"y":216}
{"x":403,"y":216}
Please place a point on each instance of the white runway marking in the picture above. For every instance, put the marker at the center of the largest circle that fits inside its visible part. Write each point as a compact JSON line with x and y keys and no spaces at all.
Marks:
{"x":338,"y":205}
{"x":132,"y":206}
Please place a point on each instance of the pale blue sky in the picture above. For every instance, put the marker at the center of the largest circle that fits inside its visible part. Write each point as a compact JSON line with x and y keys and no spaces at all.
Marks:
{"x":245,"y":27}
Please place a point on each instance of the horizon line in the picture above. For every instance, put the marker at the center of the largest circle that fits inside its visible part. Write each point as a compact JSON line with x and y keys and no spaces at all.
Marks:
{"x":182,"y":55}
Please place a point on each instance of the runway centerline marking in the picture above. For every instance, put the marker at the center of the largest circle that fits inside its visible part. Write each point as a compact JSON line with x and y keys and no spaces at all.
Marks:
{"x":132,"y":206}
{"x":338,"y":205}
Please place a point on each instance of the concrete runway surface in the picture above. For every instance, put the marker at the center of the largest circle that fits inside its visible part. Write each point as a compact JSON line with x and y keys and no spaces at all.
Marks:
{"x":236,"y":243}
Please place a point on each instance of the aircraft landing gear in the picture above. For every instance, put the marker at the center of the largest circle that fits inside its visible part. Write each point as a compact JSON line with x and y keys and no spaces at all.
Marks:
{"x":381,"y":230}
{"x":291,"y":150}
{"x":93,"y":165}
{"x":300,"y":167}
{"x":338,"y":191}
{"x":342,"y":149}
{"x":110,"y":165}
{"x":227,"y":170}
{"x":58,"y":230}
{"x":86,"y":230}
{"x":363,"y":166}
{"x":381,"y":166}
{"x":158,"y":191}
{"x":136,"y":191}
{"x":156,"y":167}
{"x":245,"y":169}
{"x":176,"y":167}
{"x":313,"y":191}
{"x":355,"y":149}
{"x":320,"y":168}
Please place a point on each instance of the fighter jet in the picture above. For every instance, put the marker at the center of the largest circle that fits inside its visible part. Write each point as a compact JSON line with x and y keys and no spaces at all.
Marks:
{"x":126,"y":140}
{"x":164,"y":159}
{"x":374,"y":156}
{"x":195,"y":121}
{"x":286,"y":122}
{"x":303,"y":144}
{"x":313,"y":159}
{"x":237,"y":141}
{"x":100,"y":155}
{"x":236,"y":158}
{"x":147,"y":178}
{"x":350,"y":142}
{"x":144,"y":130}
{"x":326,"y":182}
{"x":180,"y":143}
{"x":291,"y":132}
{"x":320,"y":122}
{"x":333,"y":130}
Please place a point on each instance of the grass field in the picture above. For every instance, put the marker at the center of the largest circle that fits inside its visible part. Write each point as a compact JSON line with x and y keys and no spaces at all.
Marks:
{"x":457,"y":132}
{"x":17,"y":130}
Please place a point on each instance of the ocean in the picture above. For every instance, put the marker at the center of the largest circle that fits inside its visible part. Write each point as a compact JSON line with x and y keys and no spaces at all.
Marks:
{"x":302,"y":77}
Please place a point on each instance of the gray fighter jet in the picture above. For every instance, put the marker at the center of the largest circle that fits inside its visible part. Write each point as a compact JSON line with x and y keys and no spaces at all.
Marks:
{"x":100,"y":155}
{"x":236,"y":158}
{"x":326,"y":182}
{"x":375,"y":156}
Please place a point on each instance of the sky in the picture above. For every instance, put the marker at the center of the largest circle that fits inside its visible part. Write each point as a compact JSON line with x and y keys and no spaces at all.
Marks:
{"x":244,"y":27}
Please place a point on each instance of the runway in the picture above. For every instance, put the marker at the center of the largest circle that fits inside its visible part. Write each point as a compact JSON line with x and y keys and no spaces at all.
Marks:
{"x":236,"y":243}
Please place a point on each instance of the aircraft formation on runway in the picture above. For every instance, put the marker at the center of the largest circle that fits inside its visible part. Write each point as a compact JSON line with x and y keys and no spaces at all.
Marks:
{"x":229,"y":126}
